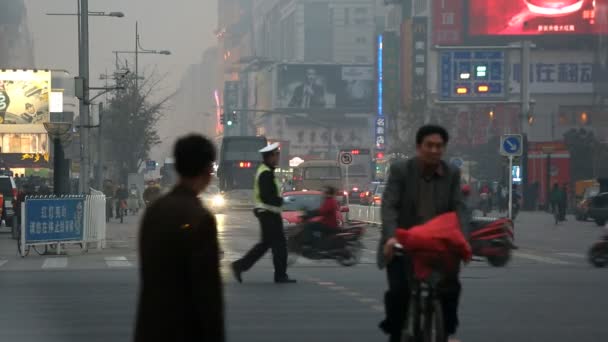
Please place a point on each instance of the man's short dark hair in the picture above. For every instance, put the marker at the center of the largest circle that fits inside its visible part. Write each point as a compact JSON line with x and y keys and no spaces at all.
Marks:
{"x":194,"y":155}
{"x":427,"y":130}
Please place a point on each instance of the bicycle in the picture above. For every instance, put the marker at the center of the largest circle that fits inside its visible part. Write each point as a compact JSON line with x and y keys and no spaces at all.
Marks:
{"x":425,"y":314}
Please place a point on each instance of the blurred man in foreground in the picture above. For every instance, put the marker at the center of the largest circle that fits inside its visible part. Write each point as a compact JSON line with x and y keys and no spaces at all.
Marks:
{"x":181,"y":295}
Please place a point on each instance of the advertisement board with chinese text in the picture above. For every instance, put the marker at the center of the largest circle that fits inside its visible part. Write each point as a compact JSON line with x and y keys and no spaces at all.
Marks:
{"x":537,"y":17}
{"x":24,"y":96}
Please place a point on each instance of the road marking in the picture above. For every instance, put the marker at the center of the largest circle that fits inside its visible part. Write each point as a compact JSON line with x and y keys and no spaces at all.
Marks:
{"x":55,"y":263}
{"x":573,"y":255}
{"x":378,"y":308}
{"x":326,"y":283}
{"x":367,"y":300}
{"x":546,"y":260}
{"x":337,"y":288}
{"x":118,"y":261}
{"x":3,"y":262}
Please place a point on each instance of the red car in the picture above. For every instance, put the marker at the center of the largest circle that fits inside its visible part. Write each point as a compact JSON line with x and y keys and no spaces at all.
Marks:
{"x":296,"y":202}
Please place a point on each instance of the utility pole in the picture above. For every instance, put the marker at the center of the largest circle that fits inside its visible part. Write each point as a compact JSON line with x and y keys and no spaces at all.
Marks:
{"x":83,"y":71}
{"x":136,"y":58}
{"x":526,"y":45}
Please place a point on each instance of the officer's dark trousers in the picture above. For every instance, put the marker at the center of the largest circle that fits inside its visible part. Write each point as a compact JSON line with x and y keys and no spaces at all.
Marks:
{"x":397,"y":298}
{"x":273,"y":237}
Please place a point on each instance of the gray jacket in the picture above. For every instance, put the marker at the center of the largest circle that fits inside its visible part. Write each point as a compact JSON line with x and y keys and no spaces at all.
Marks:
{"x":399,"y":201}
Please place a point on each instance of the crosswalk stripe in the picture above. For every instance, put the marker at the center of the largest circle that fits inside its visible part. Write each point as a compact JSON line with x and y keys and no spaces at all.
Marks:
{"x":3,"y":262}
{"x":573,"y":255}
{"x":55,"y":263}
{"x":117,"y":261}
{"x":546,"y":260}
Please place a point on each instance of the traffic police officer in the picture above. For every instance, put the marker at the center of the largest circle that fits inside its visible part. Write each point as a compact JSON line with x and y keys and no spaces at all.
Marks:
{"x":268,"y":202}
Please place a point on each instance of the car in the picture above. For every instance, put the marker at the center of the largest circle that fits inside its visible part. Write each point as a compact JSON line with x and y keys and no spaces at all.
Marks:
{"x":598,"y":209}
{"x":295,"y":203}
{"x":582,"y":207}
{"x":367,"y":196}
{"x":9,"y":192}
{"x":377,"y":199}
{"x":214,"y":199}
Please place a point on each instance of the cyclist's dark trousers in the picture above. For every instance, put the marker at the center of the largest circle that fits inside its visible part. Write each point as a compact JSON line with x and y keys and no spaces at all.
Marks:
{"x":273,"y":237}
{"x":396,"y":299}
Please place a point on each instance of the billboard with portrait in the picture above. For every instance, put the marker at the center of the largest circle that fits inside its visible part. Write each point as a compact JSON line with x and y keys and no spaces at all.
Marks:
{"x":537,"y":17}
{"x":325,"y":86}
{"x":24,"y":96}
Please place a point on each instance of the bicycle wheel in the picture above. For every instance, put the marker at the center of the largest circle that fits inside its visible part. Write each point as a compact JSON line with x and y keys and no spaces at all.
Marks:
{"x":433,"y":321}
{"x":41,"y":250}
{"x":412,"y":330}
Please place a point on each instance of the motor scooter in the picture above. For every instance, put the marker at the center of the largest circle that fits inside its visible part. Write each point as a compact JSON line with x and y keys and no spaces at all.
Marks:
{"x":343,"y":246}
{"x":492,"y":239}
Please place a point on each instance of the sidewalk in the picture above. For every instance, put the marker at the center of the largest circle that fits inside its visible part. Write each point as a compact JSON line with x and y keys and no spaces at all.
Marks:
{"x":119,"y":236}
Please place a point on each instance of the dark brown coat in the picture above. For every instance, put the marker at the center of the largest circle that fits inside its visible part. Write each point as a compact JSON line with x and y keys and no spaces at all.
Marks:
{"x":181,"y":295}
{"x":400,"y":198}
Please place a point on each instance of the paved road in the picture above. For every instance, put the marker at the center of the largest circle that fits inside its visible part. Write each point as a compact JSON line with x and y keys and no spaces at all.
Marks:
{"x":548,"y":292}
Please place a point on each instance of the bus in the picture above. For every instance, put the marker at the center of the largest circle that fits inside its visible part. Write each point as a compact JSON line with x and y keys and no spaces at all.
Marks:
{"x":359,"y":171}
{"x":237,"y":165}
{"x":315,"y":174}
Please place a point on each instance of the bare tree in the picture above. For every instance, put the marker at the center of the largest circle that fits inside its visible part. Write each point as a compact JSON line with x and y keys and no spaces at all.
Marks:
{"x":130,"y":124}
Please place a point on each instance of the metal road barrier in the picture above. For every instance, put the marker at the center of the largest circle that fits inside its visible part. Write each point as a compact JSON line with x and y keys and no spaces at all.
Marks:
{"x":364,"y":213}
{"x":372,"y":214}
{"x":50,"y":220}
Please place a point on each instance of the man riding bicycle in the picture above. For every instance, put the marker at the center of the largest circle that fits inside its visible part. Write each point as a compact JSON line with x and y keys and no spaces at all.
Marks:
{"x":418,"y":190}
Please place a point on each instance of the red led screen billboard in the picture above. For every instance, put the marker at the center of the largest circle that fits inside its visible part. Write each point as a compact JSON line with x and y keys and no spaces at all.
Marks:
{"x":537,"y":17}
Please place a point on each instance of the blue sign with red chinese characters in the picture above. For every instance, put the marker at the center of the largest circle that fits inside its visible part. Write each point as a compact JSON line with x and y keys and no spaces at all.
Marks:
{"x":54,"y":219}
{"x":472,"y":75}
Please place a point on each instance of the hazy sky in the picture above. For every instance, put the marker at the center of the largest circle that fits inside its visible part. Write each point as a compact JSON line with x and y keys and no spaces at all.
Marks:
{"x":185,"y":27}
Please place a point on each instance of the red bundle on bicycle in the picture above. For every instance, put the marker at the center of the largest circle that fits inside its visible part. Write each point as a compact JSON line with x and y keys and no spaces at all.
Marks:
{"x":439,"y":240}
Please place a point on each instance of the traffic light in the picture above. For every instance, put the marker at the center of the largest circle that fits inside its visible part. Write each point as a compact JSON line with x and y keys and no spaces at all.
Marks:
{"x":355,"y":152}
{"x":222,"y":119}
{"x":379,"y":155}
{"x":234,"y":117}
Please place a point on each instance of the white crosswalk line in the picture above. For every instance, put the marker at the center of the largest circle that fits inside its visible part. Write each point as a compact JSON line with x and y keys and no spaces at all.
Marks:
{"x":573,"y":255}
{"x":546,"y":260}
{"x":3,"y":262}
{"x":117,"y":261}
{"x":50,"y":263}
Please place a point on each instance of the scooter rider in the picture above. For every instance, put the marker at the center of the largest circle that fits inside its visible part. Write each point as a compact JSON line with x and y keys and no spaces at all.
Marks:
{"x":328,"y":222}
{"x":268,"y":202}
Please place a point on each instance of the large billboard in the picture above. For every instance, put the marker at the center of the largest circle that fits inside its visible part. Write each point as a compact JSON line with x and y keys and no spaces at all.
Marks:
{"x":537,"y":17}
{"x":24,"y":96}
{"x":325,"y":86}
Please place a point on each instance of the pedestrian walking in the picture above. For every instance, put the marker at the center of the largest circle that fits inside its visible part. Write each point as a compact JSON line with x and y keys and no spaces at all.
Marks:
{"x":418,"y":190}
{"x":268,"y":203}
{"x":181,"y":296}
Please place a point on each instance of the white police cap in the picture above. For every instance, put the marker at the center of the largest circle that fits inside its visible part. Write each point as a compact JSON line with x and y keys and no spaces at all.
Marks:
{"x":270,"y":148}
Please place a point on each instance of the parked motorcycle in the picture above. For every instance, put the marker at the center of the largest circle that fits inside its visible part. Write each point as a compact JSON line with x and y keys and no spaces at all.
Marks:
{"x":344,"y":246}
{"x":492,"y":239}
{"x":598,"y":253}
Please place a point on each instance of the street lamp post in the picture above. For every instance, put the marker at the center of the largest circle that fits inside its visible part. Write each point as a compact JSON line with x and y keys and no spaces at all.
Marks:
{"x":83,"y":74}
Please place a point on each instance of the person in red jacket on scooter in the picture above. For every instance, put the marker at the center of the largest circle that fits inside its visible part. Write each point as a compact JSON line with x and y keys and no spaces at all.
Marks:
{"x":324,"y":220}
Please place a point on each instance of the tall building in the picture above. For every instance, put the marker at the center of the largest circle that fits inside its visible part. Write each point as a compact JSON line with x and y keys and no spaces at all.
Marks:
{"x":315,"y":31}
{"x":16,"y":46}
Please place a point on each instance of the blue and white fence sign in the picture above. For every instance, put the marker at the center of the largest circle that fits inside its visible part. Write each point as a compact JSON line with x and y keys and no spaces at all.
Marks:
{"x":54,"y":219}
